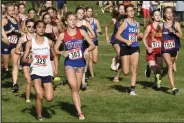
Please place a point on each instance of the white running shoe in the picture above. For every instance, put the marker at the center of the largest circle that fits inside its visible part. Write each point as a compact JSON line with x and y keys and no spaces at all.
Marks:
{"x":40,"y":119}
{"x":133,"y":93}
{"x":81,"y":116}
{"x":114,"y":65}
{"x":28,"y":101}
{"x":102,"y":10}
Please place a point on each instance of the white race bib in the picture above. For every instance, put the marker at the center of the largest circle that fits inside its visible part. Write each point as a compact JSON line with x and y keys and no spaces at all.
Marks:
{"x":13,"y":39}
{"x":156,"y":44}
{"x":169,"y":44}
{"x":41,"y":60}
{"x":132,"y":37}
{"x":75,"y":54}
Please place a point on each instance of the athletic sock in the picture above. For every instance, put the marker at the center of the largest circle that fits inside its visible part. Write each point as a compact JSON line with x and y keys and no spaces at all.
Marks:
{"x":132,"y":88}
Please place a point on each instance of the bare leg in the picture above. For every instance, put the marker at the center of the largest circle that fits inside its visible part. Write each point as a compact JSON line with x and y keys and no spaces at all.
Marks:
{"x":27,"y":76}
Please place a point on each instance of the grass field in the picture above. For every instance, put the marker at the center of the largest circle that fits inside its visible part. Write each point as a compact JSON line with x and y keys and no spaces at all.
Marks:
{"x":104,"y":100}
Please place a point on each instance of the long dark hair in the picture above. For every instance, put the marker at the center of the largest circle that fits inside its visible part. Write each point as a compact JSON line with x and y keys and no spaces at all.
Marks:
{"x":151,"y":19}
{"x":116,"y":15}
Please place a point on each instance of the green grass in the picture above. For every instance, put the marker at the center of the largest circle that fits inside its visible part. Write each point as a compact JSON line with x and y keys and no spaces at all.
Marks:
{"x":103,"y":101}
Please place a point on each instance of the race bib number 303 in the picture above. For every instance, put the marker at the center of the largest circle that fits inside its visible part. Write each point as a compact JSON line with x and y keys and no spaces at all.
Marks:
{"x":75,"y":54}
{"x":13,"y":39}
{"x":41,"y":60}
{"x":169,"y":44}
{"x":156,"y":44}
{"x":132,"y":37}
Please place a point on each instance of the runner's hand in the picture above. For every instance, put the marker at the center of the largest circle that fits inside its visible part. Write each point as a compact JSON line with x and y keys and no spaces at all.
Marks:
{"x":86,"y":53}
{"x":30,"y":60}
{"x":150,"y":50}
{"x":129,"y":43}
{"x":56,"y":72}
{"x":154,"y":40}
{"x":140,"y":36}
{"x":171,"y":30}
{"x":65,"y":54}
{"x":107,"y":40}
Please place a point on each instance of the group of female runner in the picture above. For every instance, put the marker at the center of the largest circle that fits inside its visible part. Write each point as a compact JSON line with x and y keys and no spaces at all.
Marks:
{"x":37,"y":45}
{"x":162,"y":42}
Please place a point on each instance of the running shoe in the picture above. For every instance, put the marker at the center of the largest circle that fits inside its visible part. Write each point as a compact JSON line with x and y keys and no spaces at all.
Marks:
{"x":147,"y":72}
{"x":6,"y":74}
{"x":84,"y":86}
{"x":40,"y":119}
{"x":132,"y":93}
{"x":64,"y":82}
{"x":20,"y":67}
{"x":87,"y":75}
{"x":114,"y":65}
{"x":15,"y":88}
{"x":28,"y":101}
{"x":174,"y":91}
{"x":102,"y":10}
{"x":81,"y":116}
{"x":158,"y":80}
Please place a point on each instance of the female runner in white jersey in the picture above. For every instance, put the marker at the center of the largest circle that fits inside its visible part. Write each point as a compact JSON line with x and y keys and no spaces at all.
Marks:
{"x":73,"y":39}
{"x":41,"y":68}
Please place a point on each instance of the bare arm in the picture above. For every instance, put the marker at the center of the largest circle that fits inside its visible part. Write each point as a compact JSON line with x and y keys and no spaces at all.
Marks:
{"x":179,"y":31}
{"x":140,"y":35}
{"x":56,"y":32}
{"x":27,"y":52}
{"x":19,"y":46}
{"x":5,"y":38}
{"x":58,"y":42}
{"x":91,"y":44}
{"x":98,"y":26}
{"x":106,"y":30}
{"x":51,"y":43}
{"x":145,"y":35}
{"x":92,"y":33}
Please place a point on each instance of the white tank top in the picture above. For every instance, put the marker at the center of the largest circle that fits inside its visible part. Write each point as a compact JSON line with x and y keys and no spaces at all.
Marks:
{"x":41,"y":64}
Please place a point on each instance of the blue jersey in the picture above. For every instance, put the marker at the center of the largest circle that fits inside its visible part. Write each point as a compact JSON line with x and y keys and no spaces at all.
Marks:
{"x":13,"y":36}
{"x":130,"y":33}
{"x":94,"y":27}
{"x":113,"y":38}
{"x":74,"y":45}
{"x":169,"y":40}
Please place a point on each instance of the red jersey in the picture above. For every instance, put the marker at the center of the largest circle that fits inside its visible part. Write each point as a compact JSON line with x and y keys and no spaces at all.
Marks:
{"x":156,"y":45}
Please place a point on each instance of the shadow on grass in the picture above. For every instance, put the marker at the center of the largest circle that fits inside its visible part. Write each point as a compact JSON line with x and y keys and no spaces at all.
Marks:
{"x":5,"y":99}
{"x":67,"y":107}
{"x":146,"y":85}
{"x":111,"y":78}
{"x":47,"y":112}
{"x":6,"y":84}
{"x":23,"y":95}
{"x":121,"y":88}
